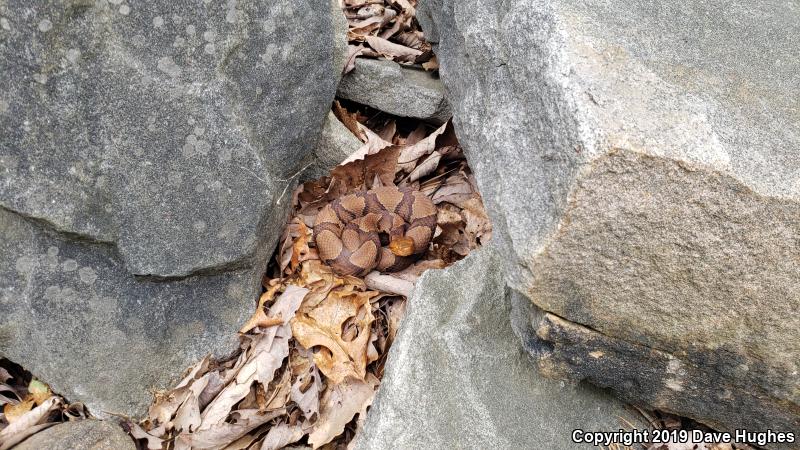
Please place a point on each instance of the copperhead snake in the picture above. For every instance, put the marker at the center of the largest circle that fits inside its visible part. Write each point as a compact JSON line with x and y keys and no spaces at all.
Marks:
{"x":384,"y":228}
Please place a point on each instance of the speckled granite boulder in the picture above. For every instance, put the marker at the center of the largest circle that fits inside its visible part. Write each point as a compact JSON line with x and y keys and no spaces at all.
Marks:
{"x":147,"y":156}
{"x":395,"y":89}
{"x":81,"y":435}
{"x":458,"y":377}
{"x":639,"y":162}
{"x":335,"y":144}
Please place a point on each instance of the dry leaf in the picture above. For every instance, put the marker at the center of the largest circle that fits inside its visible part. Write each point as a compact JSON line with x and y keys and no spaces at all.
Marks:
{"x":407,"y":160}
{"x":294,"y":247}
{"x":413,"y":39}
{"x":24,"y":419}
{"x":279,"y":393}
{"x":323,"y":326}
{"x":307,"y":387}
{"x":339,"y":404}
{"x":267,"y":355}
{"x":417,"y":135}
{"x":397,"y":52}
{"x":366,"y":26}
{"x":348,"y":120}
{"x":353,"y":51}
{"x":359,"y":174}
{"x":362,"y":419}
{"x":426,"y":167}
{"x":221,"y":433}
{"x":214,"y":386}
{"x":153,"y":442}
{"x":166,"y":404}
{"x":431,"y":65}
{"x":14,"y":412}
{"x":455,"y":190}
{"x":374,"y":144}
{"x":478,"y":229}
{"x":187,"y":419}
{"x":396,"y":312}
{"x":260,"y":317}
{"x":243,"y":442}
{"x":320,"y":279}
{"x":281,"y":435}
{"x":388,"y":131}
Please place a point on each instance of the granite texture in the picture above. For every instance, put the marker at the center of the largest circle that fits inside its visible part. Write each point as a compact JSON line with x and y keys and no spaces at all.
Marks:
{"x":148,"y":152}
{"x":639,"y":164}
{"x":335,"y":144}
{"x":402,"y":91}
{"x":458,"y":377}
{"x":80,"y":435}
{"x":154,"y":126}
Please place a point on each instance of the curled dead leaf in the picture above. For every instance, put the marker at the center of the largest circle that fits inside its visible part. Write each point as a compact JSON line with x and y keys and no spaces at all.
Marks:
{"x":391,"y":50}
{"x":339,"y":404}
{"x":337,"y":357}
{"x":23,"y":421}
{"x":14,"y":412}
{"x":281,"y":435}
{"x":407,"y":160}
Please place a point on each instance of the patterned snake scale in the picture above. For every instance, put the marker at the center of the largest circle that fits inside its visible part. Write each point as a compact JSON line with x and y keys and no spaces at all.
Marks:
{"x":353,"y":233}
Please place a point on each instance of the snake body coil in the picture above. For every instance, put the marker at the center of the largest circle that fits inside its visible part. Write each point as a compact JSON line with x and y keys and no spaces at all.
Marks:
{"x":384,"y":228}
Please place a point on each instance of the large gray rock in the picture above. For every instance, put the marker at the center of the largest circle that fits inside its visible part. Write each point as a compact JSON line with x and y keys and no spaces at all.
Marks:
{"x":457,"y":376}
{"x":392,"y":88}
{"x":80,"y":435}
{"x":639,"y":163}
{"x":147,"y":159}
{"x":335,"y":144}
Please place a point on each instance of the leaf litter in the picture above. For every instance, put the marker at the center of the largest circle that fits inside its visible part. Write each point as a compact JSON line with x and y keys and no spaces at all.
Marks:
{"x":28,"y":406}
{"x":386,"y":29}
{"x":312,"y":355}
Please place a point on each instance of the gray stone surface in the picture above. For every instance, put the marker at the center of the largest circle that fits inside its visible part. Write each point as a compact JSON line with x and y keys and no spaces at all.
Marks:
{"x":335,"y":144}
{"x":154,"y":126}
{"x":147,"y":157}
{"x":457,"y":376}
{"x":73,"y":316}
{"x":398,"y":90}
{"x":81,"y":435}
{"x":639,"y":164}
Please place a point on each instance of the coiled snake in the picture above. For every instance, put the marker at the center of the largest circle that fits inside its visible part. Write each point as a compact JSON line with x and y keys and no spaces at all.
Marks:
{"x":385,"y":228}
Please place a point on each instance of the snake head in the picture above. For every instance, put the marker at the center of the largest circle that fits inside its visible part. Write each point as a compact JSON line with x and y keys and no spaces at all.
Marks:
{"x":402,"y":246}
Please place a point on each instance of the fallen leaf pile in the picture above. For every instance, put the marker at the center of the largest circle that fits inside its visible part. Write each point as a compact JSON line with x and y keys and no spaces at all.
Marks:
{"x":313,"y":353}
{"x":27,"y":406}
{"x":386,"y":29}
